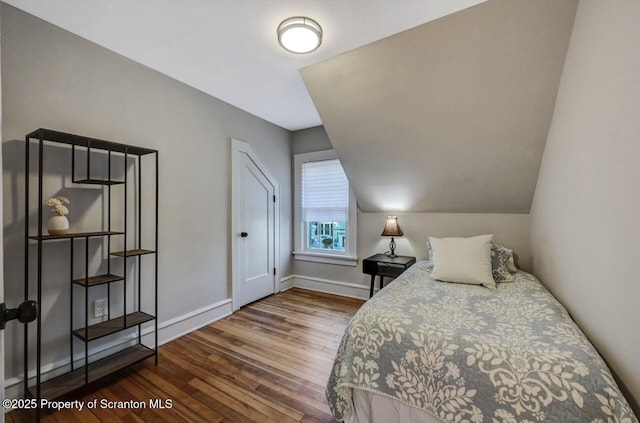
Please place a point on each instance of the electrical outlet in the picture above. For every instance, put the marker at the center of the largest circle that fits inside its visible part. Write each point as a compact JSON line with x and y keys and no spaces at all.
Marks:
{"x":100,"y":307}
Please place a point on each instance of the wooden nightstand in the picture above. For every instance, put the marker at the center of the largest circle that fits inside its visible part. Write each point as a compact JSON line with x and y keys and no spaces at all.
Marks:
{"x":383,"y":265}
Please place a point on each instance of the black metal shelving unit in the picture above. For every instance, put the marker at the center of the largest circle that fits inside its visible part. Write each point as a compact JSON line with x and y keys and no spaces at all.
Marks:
{"x":89,"y":372}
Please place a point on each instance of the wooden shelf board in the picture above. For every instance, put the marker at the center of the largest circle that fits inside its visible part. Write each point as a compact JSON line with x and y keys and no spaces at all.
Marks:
{"x":76,"y":235}
{"x":131,"y":253}
{"x":113,"y":326}
{"x":61,"y":385}
{"x":72,"y":139}
{"x":98,"y":280}
{"x":97,"y":182}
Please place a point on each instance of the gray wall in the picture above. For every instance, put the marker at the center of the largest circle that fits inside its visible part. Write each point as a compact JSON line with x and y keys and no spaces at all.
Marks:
{"x":584,"y":219}
{"x":512,"y":230}
{"x":308,"y":140}
{"x":54,"y":79}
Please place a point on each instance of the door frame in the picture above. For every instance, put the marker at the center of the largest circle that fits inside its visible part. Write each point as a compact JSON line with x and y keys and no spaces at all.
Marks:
{"x":237,"y":148}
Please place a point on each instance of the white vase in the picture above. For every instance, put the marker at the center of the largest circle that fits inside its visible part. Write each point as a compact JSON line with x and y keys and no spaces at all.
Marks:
{"x":58,"y":225}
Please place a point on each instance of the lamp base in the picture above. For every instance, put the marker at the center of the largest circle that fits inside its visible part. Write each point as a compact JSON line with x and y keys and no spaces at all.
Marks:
{"x":392,"y":248}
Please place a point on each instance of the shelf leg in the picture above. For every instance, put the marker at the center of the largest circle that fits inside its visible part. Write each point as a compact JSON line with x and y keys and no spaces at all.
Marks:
{"x":71,"y":303}
{"x":26,"y":264}
{"x":156,"y":264}
{"x":39,"y":296}
{"x":126,"y":157}
{"x":86,"y":311}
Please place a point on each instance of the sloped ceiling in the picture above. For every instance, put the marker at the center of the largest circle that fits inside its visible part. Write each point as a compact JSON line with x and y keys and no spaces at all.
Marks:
{"x":450,"y":116}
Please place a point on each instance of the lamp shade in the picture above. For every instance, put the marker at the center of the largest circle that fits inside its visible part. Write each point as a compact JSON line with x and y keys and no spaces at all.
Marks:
{"x":391,"y":227}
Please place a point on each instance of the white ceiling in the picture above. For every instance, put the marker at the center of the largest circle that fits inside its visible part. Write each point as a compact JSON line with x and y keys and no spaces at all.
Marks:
{"x":229,"y":49}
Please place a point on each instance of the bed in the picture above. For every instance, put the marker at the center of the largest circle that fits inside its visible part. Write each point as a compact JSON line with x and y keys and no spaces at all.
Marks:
{"x":423,"y":350}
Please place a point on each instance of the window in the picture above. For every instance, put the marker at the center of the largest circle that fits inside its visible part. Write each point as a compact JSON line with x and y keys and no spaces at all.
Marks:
{"x":325,"y":210}
{"x":326,"y":235}
{"x":324,"y":192}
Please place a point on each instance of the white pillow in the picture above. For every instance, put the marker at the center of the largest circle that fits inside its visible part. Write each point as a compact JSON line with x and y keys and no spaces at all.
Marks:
{"x":463,"y":260}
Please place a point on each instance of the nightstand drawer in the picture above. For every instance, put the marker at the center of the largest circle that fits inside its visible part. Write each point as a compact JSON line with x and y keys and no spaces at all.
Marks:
{"x":390,"y":269}
{"x":381,"y":263}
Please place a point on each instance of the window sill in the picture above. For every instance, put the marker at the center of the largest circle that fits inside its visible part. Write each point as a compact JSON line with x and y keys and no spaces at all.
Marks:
{"x":326,"y":258}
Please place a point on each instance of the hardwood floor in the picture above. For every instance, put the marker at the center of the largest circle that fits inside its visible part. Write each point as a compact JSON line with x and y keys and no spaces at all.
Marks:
{"x":268,"y":362}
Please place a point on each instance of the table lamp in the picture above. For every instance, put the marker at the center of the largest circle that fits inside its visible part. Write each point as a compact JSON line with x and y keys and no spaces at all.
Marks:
{"x":392,"y":229}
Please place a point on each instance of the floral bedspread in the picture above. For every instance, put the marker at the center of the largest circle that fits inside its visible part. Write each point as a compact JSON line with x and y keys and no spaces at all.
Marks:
{"x":465,"y":353}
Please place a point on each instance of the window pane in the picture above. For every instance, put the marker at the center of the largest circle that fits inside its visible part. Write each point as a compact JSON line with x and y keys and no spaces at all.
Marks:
{"x":327,"y":235}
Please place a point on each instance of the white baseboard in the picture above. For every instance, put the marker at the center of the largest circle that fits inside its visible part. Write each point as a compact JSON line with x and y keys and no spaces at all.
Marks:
{"x":286,"y":283}
{"x":167,"y":331}
{"x":327,"y":286}
{"x":181,"y":325}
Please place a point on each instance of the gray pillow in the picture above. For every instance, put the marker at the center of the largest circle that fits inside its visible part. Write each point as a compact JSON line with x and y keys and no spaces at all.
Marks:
{"x":500,"y":257}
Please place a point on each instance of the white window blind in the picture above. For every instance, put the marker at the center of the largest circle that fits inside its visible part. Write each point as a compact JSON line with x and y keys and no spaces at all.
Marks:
{"x":325,"y":192}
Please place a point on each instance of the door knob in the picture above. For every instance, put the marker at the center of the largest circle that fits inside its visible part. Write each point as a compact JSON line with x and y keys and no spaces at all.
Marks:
{"x":244,"y":234}
{"x":25,"y":313}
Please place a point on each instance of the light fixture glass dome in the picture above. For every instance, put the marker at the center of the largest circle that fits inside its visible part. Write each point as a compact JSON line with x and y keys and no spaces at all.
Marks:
{"x":300,"y":35}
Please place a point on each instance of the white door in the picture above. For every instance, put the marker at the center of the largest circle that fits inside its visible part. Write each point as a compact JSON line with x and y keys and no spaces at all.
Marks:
{"x":256,"y":225}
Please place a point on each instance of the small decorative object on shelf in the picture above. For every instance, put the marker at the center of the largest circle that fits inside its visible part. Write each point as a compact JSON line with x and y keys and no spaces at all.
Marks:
{"x":58,"y":224}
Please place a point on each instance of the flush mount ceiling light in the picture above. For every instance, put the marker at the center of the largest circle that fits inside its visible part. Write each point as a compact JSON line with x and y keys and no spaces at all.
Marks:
{"x":299,"y":35}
